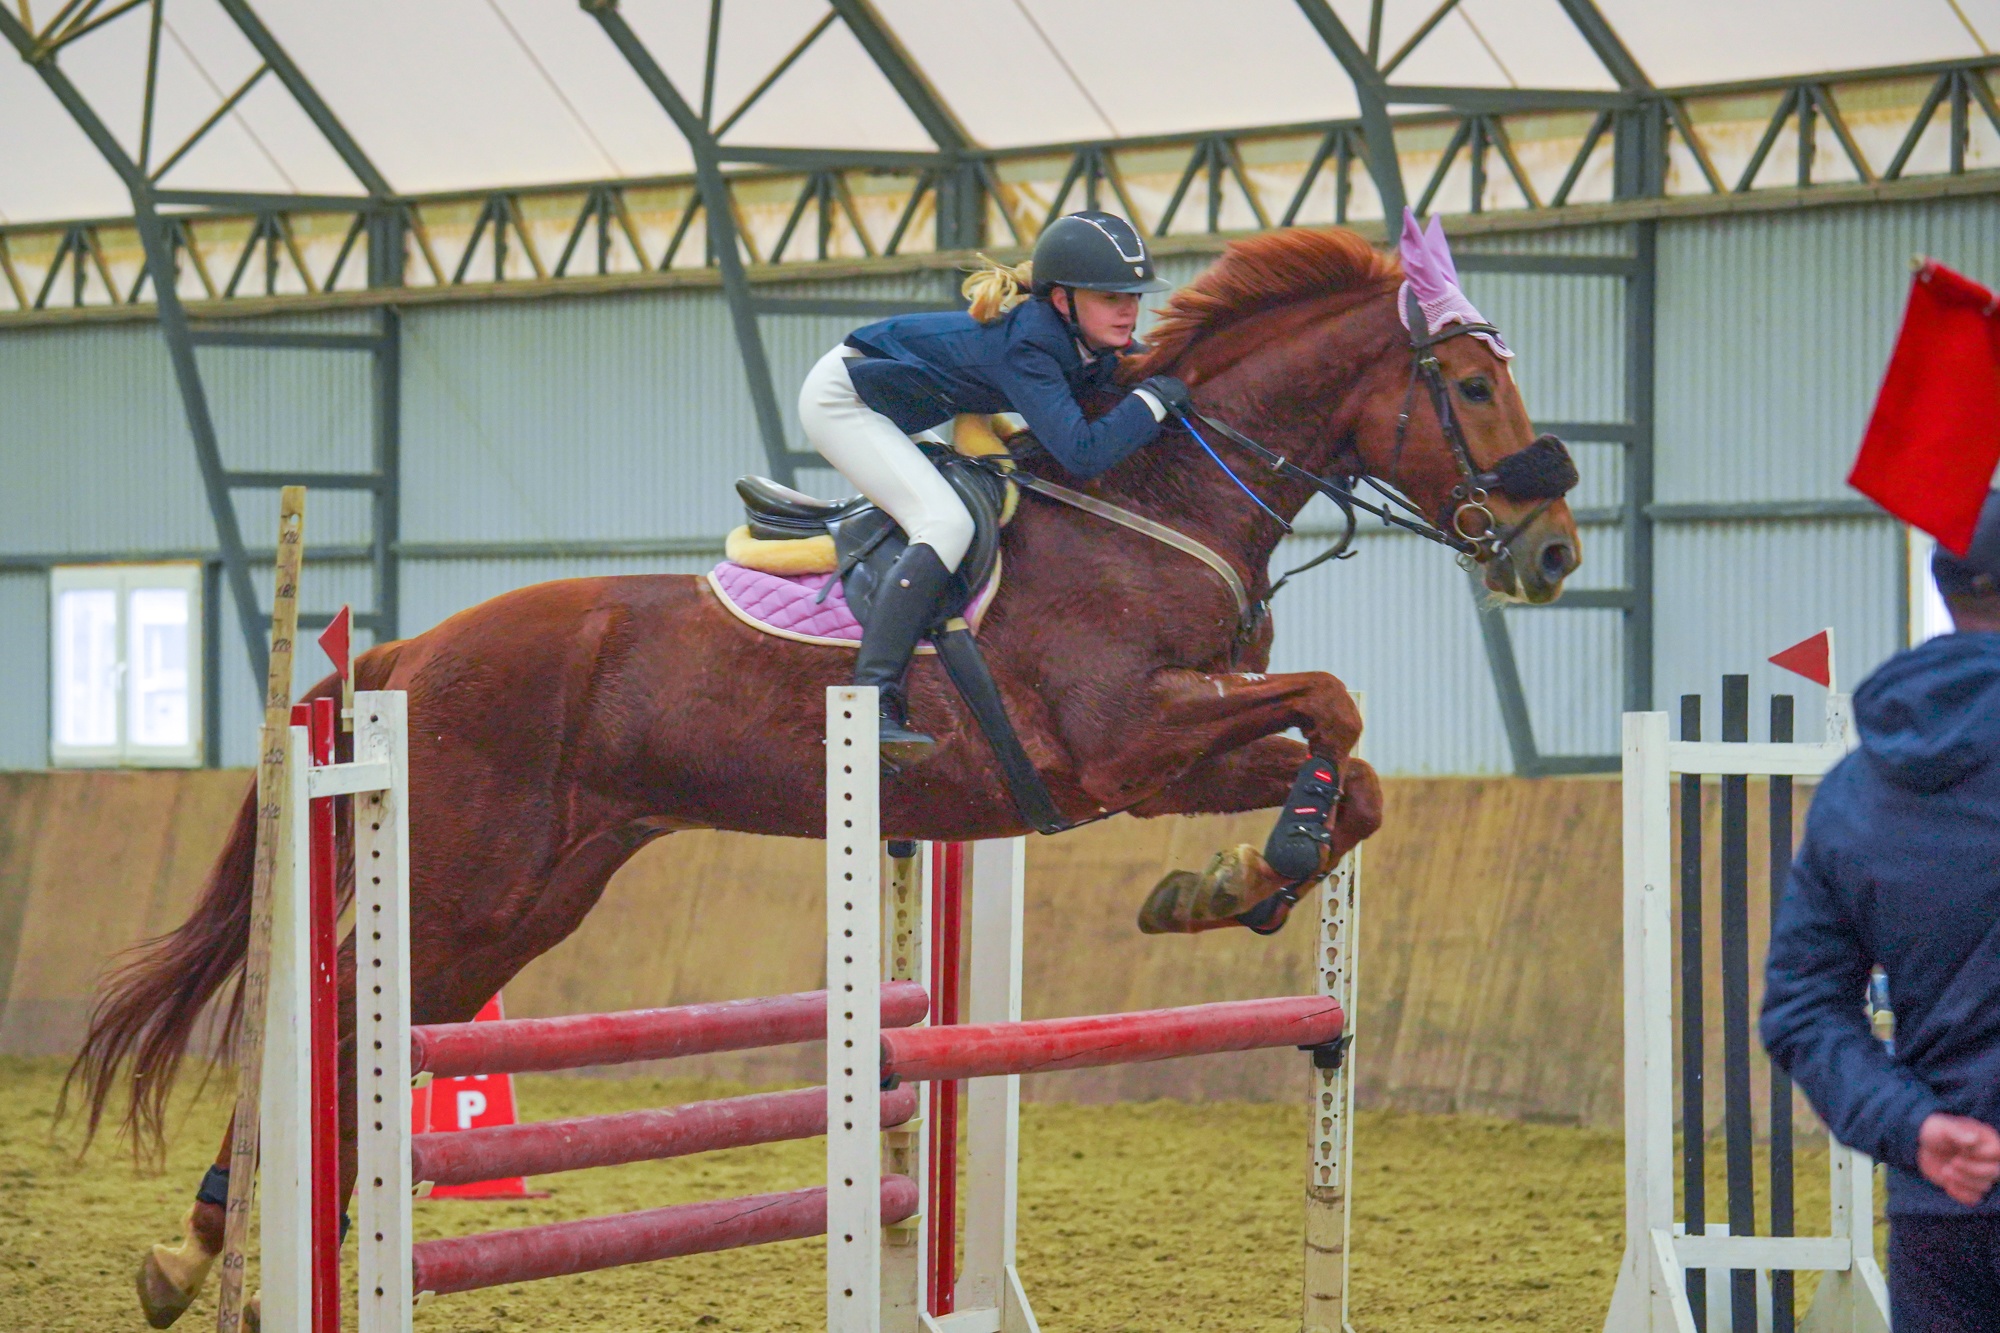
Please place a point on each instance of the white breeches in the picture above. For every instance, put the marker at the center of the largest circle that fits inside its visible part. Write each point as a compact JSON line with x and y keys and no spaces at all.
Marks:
{"x":869,"y":450}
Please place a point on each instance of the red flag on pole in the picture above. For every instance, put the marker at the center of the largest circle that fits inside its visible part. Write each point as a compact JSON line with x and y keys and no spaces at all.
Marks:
{"x":1812,"y":658}
{"x":337,"y":642}
{"x":1934,"y":438}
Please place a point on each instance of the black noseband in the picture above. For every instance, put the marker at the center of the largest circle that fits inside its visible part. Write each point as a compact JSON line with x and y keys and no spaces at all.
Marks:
{"x":1542,"y":471}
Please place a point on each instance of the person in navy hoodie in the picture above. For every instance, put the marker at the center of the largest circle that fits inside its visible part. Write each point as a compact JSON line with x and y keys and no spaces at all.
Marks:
{"x":1900,"y":867}
{"x":1035,"y":340}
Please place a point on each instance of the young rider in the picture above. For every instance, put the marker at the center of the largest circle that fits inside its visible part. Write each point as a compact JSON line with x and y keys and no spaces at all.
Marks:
{"x":1035,"y":352}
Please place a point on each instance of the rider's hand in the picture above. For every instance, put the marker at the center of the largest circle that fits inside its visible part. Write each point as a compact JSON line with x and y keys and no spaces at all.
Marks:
{"x":1173,"y":394}
{"x":1959,"y":1155}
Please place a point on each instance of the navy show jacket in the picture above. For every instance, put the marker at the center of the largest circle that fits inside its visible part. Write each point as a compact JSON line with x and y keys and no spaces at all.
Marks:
{"x":1900,"y":866}
{"x":921,"y":370}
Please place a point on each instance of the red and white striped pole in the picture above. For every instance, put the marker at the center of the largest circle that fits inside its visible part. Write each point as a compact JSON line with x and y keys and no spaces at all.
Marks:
{"x":322,"y":907}
{"x":947,"y":946}
{"x":323,"y":723}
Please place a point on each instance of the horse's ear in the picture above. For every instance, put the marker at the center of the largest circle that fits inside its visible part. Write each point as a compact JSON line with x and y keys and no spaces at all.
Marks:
{"x":1413,"y":315}
{"x":1439,"y":250}
{"x":1413,"y":233}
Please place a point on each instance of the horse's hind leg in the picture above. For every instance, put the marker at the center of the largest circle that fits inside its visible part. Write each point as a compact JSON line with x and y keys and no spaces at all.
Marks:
{"x":171,"y":1276}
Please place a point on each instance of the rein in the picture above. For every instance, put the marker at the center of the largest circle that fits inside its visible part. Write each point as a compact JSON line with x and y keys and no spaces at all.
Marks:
{"x":1139,"y":523}
{"x":1542,"y":471}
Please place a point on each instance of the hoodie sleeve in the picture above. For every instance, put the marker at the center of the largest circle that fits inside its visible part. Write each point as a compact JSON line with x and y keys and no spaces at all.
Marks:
{"x":1814,"y":1024}
{"x":1032,"y":380}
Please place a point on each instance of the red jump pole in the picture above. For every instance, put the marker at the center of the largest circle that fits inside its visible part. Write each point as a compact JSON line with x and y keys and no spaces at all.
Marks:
{"x":947,"y":949}
{"x":523,"y":1045}
{"x":323,"y":1024}
{"x":467,"y":1263}
{"x":547,"y":1146}
{"x":979,"y":1050}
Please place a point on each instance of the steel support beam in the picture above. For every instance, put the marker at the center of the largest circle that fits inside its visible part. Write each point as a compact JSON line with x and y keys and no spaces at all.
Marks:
{"x":721,"y":219}
{"x":1371,"y":89}
{"x":903,"y":74}
{"x":1639,"y":151}
{"x":1639,"y":133}
{"x":154,"y":237}
{"x":1496,"y":101}
{"x":1605,"y":43}
{"x":1513,"y":700}
{"x":385,"y":557}
{"x":1640,"y":291}
{"x":960,"y":188}
{"x":252,"y":27}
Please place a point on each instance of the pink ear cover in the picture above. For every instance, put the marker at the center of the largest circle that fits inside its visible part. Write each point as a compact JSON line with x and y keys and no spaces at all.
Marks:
{"x":1430,"y":274}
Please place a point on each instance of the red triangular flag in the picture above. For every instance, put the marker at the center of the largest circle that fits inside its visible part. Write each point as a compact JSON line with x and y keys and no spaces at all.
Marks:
{"x":1812,"y":658}
{"x":1934,"y":438}
{"x":337,"y":642}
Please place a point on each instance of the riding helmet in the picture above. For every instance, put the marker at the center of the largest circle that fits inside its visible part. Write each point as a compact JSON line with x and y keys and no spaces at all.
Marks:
{"x":1099,"y":251}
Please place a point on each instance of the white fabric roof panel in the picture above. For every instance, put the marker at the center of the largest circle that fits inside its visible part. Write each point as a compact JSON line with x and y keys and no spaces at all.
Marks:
{"x":1044,"y":71}
{"x":465,"y":94}
{"x":1706,"y":41}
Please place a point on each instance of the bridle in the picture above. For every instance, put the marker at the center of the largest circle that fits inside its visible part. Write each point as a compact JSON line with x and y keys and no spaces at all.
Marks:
{"x":1474,"y":487}
{"x":1543,"y":471}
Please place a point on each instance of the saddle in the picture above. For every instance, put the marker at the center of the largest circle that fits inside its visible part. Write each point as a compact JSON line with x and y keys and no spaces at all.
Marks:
{"x":791,"y":533}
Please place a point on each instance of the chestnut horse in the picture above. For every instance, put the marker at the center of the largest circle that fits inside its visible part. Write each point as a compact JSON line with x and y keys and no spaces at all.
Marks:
{"x":557,"y":729}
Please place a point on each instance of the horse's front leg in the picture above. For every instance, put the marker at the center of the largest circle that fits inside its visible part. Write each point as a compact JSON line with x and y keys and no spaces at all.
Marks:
{"x":1196,"y":709}
{"x":1258,"y":776}
{"x":1186,"y":718}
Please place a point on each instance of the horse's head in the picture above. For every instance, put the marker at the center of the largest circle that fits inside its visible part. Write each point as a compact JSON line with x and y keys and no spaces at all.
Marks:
{"x":1443,"y":422}
{"x":1351,"y":365}
{"x":1445,"y":425}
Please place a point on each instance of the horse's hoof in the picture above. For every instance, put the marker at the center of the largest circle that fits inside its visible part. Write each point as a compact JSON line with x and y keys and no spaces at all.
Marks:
{"x":1183,"y":901}
{"x":253,"y":1313}
{"x":170,"y":1277}
{"x":1229,"y":883}
{"x":1165,"y":911}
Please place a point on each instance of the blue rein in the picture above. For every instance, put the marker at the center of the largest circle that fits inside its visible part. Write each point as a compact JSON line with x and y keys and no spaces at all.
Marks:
{"x":1255,"y":499}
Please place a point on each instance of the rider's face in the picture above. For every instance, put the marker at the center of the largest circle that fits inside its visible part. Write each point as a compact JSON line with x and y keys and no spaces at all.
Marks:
{"x":1107,"y":318}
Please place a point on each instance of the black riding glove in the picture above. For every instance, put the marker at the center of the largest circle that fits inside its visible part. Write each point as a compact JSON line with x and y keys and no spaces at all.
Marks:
{"x":1173,"y":394}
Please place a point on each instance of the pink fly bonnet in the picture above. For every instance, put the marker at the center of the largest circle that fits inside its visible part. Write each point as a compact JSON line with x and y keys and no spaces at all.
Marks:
{"x":1430,"y":274}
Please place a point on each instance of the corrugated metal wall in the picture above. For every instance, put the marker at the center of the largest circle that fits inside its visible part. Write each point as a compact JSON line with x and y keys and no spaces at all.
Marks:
{"x":1773,"y":332}
{"x":625,"y":418}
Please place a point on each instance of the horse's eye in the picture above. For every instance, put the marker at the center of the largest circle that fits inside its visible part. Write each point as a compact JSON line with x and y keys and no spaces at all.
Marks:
{"x":1476,"y":389}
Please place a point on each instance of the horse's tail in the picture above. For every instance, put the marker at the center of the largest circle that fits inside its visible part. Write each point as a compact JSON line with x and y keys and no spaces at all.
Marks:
{"x":149,"y":1006}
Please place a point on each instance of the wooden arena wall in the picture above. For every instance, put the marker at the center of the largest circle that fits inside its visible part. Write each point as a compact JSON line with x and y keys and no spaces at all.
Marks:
{"x":1489,"y":938}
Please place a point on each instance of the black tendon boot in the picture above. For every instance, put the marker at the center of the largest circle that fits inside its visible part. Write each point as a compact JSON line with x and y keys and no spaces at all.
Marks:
{"x":905,"y":605}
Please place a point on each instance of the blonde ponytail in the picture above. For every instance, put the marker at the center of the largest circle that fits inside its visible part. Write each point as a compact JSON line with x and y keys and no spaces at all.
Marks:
{"x":994,"y":288}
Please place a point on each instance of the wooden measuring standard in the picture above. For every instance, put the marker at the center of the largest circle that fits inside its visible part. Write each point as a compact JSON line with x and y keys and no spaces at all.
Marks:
{"x":272,"y":775}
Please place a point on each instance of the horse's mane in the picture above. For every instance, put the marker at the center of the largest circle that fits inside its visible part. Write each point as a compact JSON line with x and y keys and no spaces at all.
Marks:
{"x":1258,"y":273}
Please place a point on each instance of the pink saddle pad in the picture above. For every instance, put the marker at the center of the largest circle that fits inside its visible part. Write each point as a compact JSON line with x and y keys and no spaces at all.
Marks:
{"x":789,"y":605}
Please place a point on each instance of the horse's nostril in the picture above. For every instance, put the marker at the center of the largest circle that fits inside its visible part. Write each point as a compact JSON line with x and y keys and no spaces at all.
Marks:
{"x":1558,"y":559}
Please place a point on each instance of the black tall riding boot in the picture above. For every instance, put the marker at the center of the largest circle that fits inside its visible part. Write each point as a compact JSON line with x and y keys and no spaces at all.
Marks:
{"x":903,"y":611}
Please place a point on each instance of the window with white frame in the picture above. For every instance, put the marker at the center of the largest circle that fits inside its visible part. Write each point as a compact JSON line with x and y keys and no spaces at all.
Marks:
{"x":125,"y":666}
